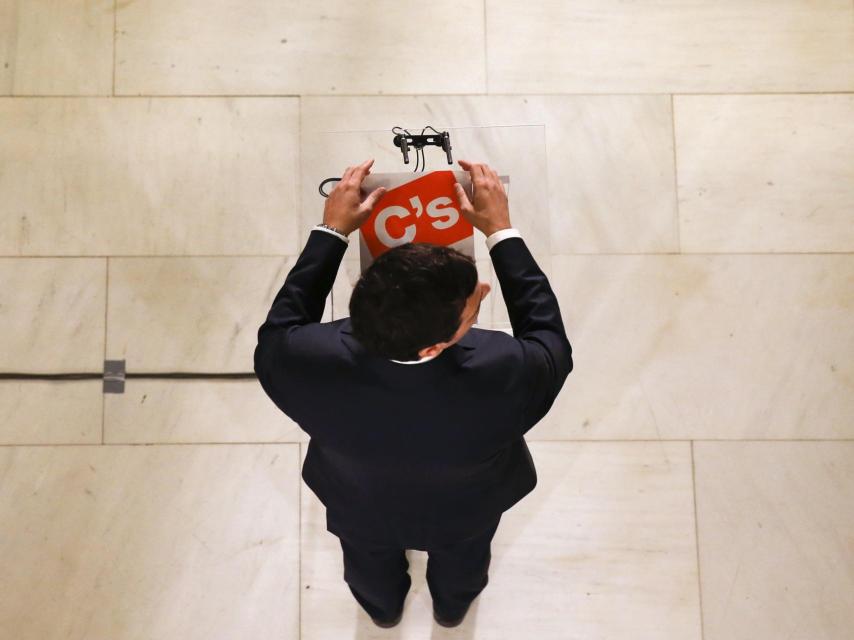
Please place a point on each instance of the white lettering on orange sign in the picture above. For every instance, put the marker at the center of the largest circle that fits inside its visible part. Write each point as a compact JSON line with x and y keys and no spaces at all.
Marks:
{"x":444,"y":216}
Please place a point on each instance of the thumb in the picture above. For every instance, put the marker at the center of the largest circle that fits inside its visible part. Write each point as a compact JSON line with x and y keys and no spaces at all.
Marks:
{"x":372,"y":199}
{"x":461,"y":196}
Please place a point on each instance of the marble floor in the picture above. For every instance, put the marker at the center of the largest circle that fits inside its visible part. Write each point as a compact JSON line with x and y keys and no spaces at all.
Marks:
{"x":688,"y":189}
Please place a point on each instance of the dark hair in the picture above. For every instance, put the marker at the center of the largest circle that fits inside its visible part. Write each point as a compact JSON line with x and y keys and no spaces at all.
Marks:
{"x":411,"y":297}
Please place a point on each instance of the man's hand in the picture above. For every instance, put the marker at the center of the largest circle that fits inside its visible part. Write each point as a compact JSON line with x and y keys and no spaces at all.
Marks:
{"x":345,"y":210}
{"x":490,"y":211}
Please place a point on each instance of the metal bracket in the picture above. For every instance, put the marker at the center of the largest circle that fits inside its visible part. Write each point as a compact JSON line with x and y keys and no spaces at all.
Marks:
{"x":114,"y":376}
{"x":405,"y":141}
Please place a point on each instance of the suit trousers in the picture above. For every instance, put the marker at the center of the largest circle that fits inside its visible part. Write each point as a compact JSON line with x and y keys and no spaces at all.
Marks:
{"x":378,"y":577}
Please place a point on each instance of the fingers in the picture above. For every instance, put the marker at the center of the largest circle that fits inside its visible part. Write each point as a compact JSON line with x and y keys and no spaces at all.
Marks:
{"x":371,"y":201}
{"x":489,"y":173}
{"x":361,"y":171}
{"x":353,"y":176}
{"x":480,"y":172}
{"x":476,"y":170}
{"x":461,"y":196}
{"x":497,"y":179}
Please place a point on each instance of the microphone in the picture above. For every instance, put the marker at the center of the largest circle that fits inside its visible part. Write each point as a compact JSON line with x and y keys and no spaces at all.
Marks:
{"x":400,"y":141}
{"x":446,"y":145}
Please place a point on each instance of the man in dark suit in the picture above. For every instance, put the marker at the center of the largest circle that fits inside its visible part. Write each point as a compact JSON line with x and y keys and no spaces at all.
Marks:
{"x":416,"y":419}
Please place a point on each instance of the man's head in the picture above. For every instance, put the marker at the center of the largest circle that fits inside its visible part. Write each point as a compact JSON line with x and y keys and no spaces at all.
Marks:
{"x":416,"y":300}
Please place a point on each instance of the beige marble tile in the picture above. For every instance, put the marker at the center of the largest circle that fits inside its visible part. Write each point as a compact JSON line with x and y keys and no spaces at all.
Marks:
{"x":156,"y":410}
{"x":611,"y":174}
{"x":51,"y":321}
{"x":8,"y":18}
{"x":775,"y":530}
{"x":766,"y":173}
{"x":608,"y":165}
{"x":8,"y":33}
{"x":50,"y":412}
{"x":720,"y":347}
{"x":56,"y":47}
{"x":142,"y":176}
{"x":269,"y":47}
{"x":611,"y":46}
{"x":603,"y":548}
{"x":197,"y":541}
{"x":52,"y":314}
{"x":191,"y":314}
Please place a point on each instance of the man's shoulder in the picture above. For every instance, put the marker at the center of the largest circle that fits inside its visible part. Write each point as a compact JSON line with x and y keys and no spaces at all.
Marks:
{"x":315,"y":342}
{"x":495,"y":349}
{"x":477,"y":337}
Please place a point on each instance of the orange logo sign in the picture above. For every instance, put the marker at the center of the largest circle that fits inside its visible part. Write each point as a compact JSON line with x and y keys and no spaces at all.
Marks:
{"x":424,"y":210}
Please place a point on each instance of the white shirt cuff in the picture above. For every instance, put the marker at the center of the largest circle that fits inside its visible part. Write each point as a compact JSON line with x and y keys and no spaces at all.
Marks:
{"x":334,"y":233}
{"x":498,"y":236}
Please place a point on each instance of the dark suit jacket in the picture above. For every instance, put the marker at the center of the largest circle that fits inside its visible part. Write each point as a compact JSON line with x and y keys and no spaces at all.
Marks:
{"x":416,"y":454}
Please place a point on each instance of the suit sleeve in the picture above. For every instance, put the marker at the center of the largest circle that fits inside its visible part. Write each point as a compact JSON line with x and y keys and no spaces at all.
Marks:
{"x":298,"y":303}
{"x":544,"y":353}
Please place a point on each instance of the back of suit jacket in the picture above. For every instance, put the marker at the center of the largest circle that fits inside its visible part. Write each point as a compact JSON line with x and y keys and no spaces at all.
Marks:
{"x":423,"y":453}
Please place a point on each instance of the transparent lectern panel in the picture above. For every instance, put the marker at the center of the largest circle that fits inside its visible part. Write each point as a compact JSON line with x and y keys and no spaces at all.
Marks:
{"x":516,"y":152}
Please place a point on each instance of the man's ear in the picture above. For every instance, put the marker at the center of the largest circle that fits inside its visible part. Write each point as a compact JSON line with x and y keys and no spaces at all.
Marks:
{"x":440,"y":345}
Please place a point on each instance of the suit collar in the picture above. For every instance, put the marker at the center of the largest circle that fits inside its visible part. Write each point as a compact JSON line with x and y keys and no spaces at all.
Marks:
{"x":466,"y":344}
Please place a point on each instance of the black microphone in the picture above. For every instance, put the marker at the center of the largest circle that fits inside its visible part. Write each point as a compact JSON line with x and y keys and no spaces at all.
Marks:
{"x":400,"y":141}
{"x":446,"y":145}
